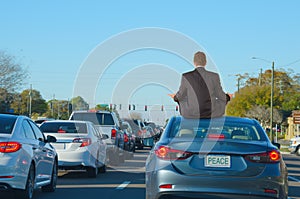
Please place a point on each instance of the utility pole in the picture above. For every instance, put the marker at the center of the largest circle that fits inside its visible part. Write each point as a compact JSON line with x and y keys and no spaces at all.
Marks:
{"x":271,"y":104}
{"x":260,"y":78}
{"x":30,"y":100}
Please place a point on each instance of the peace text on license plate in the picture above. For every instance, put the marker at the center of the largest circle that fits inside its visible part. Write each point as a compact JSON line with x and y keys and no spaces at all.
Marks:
{"x":217,"y":161}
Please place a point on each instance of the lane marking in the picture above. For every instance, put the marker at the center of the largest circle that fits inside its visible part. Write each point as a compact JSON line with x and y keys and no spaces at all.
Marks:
{"x":123,"y":185}
{"x":292,"y":178}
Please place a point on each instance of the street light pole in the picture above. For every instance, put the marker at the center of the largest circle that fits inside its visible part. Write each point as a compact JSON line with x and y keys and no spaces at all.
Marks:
{"x":271,"y":100}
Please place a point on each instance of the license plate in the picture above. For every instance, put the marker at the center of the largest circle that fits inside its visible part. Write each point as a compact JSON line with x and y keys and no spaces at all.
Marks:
{"x":217,"y":161}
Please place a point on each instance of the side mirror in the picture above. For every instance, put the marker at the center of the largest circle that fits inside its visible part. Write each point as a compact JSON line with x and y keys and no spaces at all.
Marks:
{"x":51,"y":138}
{"x":104,"y":136}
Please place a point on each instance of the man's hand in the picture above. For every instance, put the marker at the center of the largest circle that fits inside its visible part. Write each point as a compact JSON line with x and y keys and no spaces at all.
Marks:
{"x":172,"y":95}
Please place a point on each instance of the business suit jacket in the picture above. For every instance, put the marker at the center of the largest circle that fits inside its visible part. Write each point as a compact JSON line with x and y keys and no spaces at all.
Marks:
{"x":200,"y":94}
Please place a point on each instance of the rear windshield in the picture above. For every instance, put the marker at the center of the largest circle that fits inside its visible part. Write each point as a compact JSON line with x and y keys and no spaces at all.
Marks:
{"x":63,"y":127}
{"x":205,"y":128}
{"x":96,"y":118}
{"x":7,"y":124}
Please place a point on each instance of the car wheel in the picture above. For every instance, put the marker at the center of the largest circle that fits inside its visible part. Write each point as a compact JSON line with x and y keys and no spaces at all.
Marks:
{"x":298,"y":151}
{"x":102,"y":169}
{"x":29,"y":187}
{"x":52,"y":186}
{"x":92,"y":172}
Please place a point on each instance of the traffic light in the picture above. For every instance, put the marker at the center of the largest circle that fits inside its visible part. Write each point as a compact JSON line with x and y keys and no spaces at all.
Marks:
{"x":146,"y":107}
{"x":129,"y":107}
{"x":162,"y":107}
{"x":133,"y":106}
{"x":110,"y":106}
{"x":176,"y":108}
{"x":70,"y":107}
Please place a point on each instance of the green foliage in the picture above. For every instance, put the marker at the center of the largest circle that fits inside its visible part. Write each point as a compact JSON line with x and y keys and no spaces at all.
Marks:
{"x":21,"y":103}
{"x":254,"y":98}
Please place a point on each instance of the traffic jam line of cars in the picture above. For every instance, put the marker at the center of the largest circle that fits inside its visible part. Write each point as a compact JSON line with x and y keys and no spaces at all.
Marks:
{"x":226,"y":157}
{"x":31,"y":154}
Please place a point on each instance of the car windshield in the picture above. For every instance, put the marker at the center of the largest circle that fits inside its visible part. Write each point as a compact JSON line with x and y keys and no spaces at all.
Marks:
{"x":7,"y":124}
{"x":63,"y":127}
{"x":96,"y":118}
{"x":219,"y":129}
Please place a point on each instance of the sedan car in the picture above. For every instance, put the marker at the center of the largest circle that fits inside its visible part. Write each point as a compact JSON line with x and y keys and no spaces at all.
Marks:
{"x":79,"y":145}
{"x":129,"y":139}
{"x":27,"y":159}
{"x":226,"y":157}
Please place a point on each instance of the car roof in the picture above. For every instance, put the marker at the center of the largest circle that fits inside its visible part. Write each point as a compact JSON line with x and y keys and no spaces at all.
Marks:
{"x":8,"y":115}
{"x":225,"y":118}
{"x":92,"y":111}
{"x":66,"y":121}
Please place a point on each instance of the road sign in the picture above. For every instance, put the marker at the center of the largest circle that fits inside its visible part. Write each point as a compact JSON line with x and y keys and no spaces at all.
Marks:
{"x":296,"y":117}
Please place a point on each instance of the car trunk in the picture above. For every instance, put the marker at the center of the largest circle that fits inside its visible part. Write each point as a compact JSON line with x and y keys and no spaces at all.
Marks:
{"x":66,"y":142}
{"x":218,"y":158}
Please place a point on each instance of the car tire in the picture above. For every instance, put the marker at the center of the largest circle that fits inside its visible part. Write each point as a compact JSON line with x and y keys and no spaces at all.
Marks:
{"x":92,"y":172}
{"x":29,"y":187}
{"x":102,"y":169}
{"x":52,"y":186}
{"x":298,"y":151}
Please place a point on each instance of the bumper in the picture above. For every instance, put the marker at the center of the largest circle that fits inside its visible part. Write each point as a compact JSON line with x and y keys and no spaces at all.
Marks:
{"x":210,"y":187}
{"x":80,"y":158}
{"x":15,"y":167}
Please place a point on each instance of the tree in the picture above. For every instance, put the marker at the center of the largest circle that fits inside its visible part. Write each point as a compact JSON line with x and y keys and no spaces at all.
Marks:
{"x":254,"y":98}
{"x":58,"y":109}
{"x":22,"y":103}
{"x":5,"y":100}
{"x":78,"y":103}
{"x":11,"y":73}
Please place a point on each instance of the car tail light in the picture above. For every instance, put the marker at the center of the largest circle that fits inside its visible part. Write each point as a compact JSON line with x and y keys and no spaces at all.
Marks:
{"x":113,"y":133}
{"x":84,"y":141}
{"x":267,"y":157}
{"x":216,"y":136}
{"x":166,"y":153}
{"x":270,"y":191}
{"x":7,"y":176}
{"x":166,"y":186}
{"x":126,"y":139}
{"x":9,"y":147}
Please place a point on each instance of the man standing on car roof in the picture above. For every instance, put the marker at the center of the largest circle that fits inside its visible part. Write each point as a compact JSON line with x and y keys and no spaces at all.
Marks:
{"x":200,"y":94}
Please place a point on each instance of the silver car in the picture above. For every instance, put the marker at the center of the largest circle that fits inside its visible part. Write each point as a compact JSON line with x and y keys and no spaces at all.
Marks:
{"x":27,"y":159}
{"x":227,"y":157}
{"x":79,"y":145}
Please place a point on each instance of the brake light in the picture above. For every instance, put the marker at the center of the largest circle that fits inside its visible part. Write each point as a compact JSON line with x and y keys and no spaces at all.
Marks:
{"x":7,"y":176}
{"x":84,"y":141}
{"x":9,"y":147}
{"x":166,"y":153}
{"x":166,"y":186}
{"x":113,"y":133}
{"x":272,"y":191}
{"x":216,"y":136}
{"x":267,"y":157}
{"x":126,"y":139}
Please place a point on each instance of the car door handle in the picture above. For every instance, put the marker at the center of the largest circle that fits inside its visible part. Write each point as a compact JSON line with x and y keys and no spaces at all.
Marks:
{"x":34,"y":148}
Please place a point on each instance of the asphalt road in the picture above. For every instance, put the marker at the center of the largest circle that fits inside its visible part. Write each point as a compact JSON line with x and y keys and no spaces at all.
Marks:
{"x":127,"y":181}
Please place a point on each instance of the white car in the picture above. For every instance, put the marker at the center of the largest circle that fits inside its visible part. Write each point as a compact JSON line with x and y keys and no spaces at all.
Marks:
{"x":79,"y":145}
{"x":294,"y":146}
{"x":27,"y":159}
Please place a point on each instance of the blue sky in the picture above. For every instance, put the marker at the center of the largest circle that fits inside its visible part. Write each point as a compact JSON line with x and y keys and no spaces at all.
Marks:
{"x":53,"y":39}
